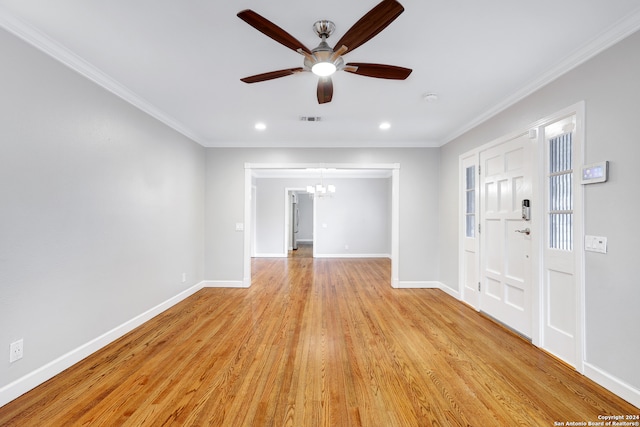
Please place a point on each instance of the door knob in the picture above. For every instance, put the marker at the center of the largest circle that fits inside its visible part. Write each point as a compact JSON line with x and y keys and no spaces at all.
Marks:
{"x":526,"y":231}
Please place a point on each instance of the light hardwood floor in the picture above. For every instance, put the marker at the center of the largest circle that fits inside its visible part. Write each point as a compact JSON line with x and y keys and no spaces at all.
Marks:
{"x":317,"y":343}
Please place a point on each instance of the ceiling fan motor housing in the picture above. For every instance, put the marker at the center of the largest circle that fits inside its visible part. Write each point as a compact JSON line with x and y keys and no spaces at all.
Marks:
{"x":323,"y":52}
{"x":324,"y":28}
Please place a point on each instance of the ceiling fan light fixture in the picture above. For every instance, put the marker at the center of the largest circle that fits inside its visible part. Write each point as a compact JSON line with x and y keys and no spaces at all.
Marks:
{"x":323,"y":69}
{"x":324,"y":61}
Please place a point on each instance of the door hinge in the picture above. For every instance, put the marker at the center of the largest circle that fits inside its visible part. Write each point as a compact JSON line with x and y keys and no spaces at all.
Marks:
{"x":479,"y":228}
{"x":479,"y":170}
{"x":479,"y":286}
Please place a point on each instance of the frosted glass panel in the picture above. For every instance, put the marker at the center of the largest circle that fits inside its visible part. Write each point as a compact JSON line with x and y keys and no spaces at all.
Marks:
{"x":470,"y":198}
{"x":471,"y":201}
{"x":561,"y":192}
{"x":471,"y":178}
{"x":471,"y":225}
{"x":561,"y":153}
{"x":561,"y":231}
{"x":561,"y":189}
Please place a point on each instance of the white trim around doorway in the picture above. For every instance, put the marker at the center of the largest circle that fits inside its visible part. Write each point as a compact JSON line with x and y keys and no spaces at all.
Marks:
{"x":535,"y":131}
{"x":395,"y":207}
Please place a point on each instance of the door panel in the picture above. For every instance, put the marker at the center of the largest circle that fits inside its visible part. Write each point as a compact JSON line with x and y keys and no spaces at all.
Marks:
{"x":505,"y":271}
{"x":492,"y":237}
{"x":515,"y":247}
{"x":515,"y":297}
{"x":561,"y":298}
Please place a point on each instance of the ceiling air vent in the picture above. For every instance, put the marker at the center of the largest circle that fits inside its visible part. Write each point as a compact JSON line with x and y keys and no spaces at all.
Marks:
{"x":310,"y":118}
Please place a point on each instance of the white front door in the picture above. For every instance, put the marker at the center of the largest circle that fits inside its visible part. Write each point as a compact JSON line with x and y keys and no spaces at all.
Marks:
{"x":505,"y":237}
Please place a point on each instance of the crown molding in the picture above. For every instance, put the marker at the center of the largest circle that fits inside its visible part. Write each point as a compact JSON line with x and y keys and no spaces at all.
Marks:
{"x":60,"y":53}
{"x":614,"y":34}
{"x":324,"y":144}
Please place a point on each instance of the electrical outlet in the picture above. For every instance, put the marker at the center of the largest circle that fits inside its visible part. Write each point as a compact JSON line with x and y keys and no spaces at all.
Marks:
{"x":16,"y":350}
{"x":184,"y":277}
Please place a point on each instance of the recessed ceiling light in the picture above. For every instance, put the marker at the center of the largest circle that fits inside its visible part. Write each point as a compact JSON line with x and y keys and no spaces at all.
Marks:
{"x":260,"y":126}
{"x":385,"y":125}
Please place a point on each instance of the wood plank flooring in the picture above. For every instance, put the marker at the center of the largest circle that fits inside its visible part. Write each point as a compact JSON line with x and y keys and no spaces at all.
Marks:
{"x":305,"y":250}
{"x":317,"y":342}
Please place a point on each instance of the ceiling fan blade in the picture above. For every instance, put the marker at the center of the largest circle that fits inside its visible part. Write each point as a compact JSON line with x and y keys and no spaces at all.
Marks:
{"x":271,"y":30}
{"x":371,"y":24}
{"x":272,"y":75}
{"x":380,"y":71}
{"x":325,"y":90}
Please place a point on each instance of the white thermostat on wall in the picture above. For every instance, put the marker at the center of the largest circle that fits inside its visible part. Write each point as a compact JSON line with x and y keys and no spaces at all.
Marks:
{"x":595,"y":172}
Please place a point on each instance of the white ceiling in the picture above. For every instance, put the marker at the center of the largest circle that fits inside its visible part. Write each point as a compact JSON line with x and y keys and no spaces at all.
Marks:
{"x":182,"y":61}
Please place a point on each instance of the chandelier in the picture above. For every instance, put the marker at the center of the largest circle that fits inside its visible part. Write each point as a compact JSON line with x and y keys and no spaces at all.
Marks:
{"x":320,"y":189}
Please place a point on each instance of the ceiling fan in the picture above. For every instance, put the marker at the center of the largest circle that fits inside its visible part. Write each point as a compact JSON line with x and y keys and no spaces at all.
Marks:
{"x":323,"y":60}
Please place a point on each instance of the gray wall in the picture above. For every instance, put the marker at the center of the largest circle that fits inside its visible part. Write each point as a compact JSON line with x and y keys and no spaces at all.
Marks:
{"x":419,"y":188}
{"x":610,"y":86}
{"x":357,"y":215}
{"x":101,"y":209}
{"x":356,"y":220}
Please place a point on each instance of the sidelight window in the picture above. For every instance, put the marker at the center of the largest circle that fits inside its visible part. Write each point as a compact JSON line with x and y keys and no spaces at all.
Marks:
{"x":561,"y":192}
{"x":470,"y":201}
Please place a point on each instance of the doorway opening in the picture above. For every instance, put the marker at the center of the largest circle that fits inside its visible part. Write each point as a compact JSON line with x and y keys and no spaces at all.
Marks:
{"x":299,"y":223}
{"x":253,"y":246}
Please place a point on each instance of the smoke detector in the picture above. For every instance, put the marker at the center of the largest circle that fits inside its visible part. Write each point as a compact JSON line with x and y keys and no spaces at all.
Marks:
{"x":430,"y":97}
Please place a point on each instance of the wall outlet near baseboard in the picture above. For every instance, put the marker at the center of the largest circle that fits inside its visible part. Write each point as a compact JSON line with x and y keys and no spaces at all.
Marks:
{"x":16,"y":350}
{"x":184,"y":277}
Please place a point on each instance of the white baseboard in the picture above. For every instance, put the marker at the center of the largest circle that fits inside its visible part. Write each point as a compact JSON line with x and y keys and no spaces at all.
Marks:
{"x":225,"y":284}
{"x":33,"y":379}
{"x":453,"y":292}
{"x":419,"y":284}
{"x":613,"y":384}
{"x":270,"y":255}
{"x":317,"y":255}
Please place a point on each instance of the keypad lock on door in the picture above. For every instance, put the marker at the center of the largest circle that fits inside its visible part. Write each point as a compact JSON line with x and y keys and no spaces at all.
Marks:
{"x":526,"y":210}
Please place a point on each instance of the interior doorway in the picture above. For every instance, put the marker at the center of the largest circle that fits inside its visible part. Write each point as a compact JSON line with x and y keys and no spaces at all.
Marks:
{"x":299,"y":223}
{"x":392,"y":171}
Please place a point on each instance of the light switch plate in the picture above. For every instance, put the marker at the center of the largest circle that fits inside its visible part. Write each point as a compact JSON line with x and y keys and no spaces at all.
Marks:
{"x":595,"y":244}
